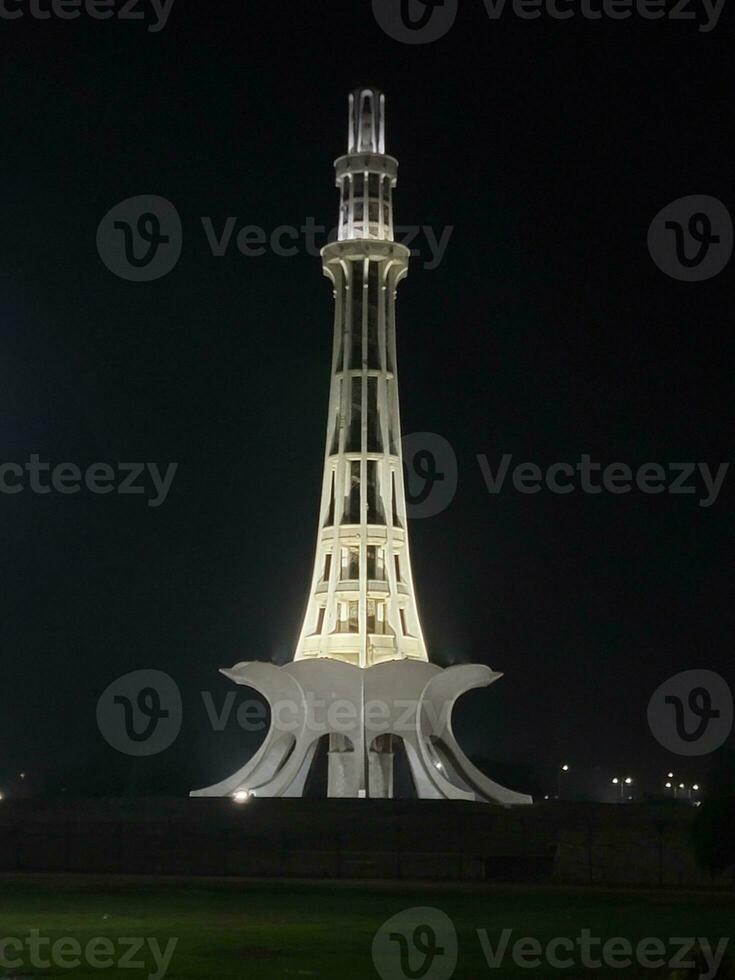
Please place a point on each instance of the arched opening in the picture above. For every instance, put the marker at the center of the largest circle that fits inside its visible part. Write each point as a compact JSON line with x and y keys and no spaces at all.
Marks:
{"x":315,"y":787}
{"x":342,"y":774}
{"x":404,"y":787}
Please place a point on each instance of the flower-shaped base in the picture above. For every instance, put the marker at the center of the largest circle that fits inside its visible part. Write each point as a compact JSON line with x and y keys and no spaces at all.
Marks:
{"x":362,"y":710}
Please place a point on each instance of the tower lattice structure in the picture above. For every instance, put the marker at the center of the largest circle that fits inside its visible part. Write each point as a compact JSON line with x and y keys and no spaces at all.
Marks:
{"x":362,"y":606}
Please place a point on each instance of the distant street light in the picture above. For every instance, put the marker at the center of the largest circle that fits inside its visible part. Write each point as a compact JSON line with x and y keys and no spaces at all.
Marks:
{"x":674,"y":787}
{"x":559,"y":773}
{"x":621,"y":784}
{"x":691,"y":789}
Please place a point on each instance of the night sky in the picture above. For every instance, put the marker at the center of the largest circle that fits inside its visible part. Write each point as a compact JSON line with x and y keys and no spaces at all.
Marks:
{"x":546,"y":332}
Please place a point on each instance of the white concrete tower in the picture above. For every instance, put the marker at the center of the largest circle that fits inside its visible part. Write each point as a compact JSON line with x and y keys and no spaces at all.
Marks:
{"x":360,"y":680}
{"x":362,"y":607}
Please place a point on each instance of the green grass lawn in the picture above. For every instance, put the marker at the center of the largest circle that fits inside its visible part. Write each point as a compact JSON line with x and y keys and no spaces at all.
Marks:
{"x":262,"y":930}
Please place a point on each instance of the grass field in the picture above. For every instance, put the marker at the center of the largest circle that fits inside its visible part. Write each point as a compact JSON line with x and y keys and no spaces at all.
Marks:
{"x":262,"y":930}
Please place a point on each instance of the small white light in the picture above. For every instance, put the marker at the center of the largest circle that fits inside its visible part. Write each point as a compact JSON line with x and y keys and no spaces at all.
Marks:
{"x":682,"y":786}
{"x":628,"y":781}
{"x":616,"y":780}
{"x":695,"y":787}
{"x":670,"y":775}
{"x":668,"y":786}
{"x":242,"y":796}
{"x":565,"y":768}
{"x":2,"y":797}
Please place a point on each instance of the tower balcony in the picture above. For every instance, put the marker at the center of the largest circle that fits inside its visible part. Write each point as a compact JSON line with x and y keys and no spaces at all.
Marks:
{"x":364,"y":248}
{"x":339,"y":646}
{"x":350,"y":588}
{"x":348,"y":646}
{"x":382,"y":648}
{"x":361,"y":372}
{"x":352,"y":534}
{"x":364,"y":163}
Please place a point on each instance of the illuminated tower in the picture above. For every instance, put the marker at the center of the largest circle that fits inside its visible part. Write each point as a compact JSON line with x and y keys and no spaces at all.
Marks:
{"x":362,"y":607}
{"x":360,"y":684}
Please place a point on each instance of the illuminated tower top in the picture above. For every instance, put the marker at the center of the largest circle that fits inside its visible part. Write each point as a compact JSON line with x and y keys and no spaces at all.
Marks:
{"x":366,"y":176}
{"x":367,"y":121}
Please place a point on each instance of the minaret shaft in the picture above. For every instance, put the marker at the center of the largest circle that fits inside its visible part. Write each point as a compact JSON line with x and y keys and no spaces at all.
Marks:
{"x":362,"y":607}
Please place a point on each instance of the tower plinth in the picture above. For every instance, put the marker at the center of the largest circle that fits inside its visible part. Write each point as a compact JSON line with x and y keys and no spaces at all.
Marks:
{"x":361,"y":642}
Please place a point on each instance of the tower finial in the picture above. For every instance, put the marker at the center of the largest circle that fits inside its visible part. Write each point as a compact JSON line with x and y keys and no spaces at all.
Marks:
{"x":366,"y":176}
{"x":367,"y":121}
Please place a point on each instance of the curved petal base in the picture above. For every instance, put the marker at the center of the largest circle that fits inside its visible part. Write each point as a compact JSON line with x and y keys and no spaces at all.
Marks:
{"x":363,"y":711}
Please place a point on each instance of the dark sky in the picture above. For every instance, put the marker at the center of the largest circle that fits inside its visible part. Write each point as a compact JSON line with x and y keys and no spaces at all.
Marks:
{"x":546,"y":332}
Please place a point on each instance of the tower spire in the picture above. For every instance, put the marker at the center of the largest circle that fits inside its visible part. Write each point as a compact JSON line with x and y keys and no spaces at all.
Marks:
{"x":367,"y":121}
{"x":366,"y":176}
